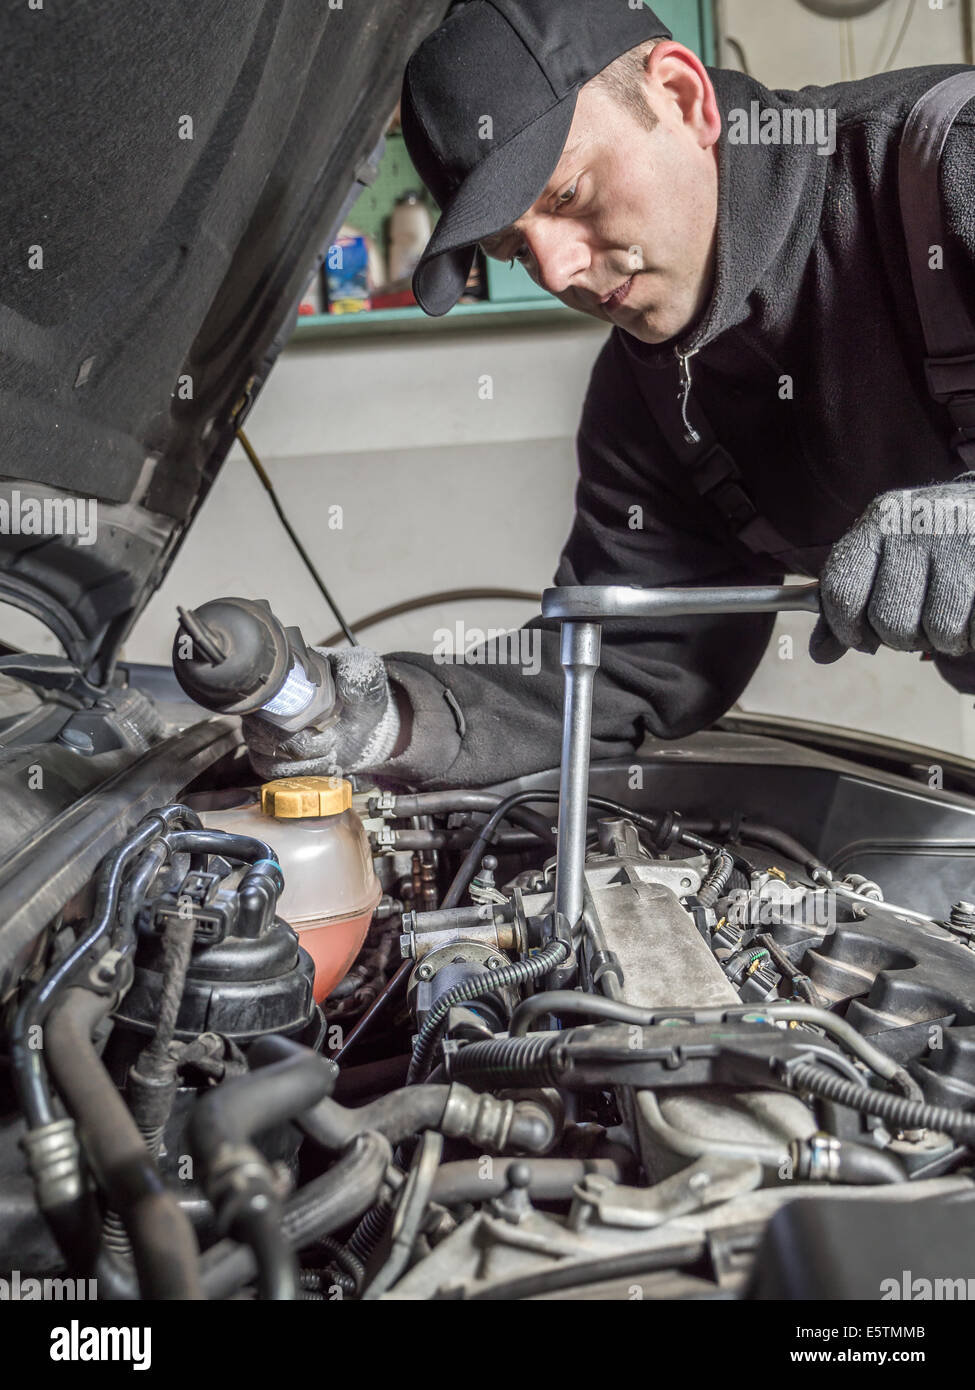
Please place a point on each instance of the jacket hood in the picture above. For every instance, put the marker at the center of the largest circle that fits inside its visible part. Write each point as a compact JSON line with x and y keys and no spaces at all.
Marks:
{"x":171,"y":174}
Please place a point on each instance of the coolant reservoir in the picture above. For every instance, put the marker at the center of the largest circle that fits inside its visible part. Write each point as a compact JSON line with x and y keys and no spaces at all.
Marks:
{"x":330,"y":887}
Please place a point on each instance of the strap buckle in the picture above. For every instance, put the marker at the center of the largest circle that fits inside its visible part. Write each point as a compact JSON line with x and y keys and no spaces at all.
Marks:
{"x":951,"y":378}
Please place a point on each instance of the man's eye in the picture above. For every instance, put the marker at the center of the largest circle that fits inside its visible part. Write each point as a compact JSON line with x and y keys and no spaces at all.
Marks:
{"x":518,"y":255}
{"x":564,"y":199}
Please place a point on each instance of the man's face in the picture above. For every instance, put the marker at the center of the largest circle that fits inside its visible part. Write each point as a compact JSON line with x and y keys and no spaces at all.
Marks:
{"x":625,"y":229}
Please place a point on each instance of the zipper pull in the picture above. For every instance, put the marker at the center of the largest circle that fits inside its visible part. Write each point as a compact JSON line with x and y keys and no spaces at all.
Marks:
{"x":683,"y":360}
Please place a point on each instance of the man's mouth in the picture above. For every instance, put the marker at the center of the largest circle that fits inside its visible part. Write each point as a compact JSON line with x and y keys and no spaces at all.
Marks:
{"x":616,"y":297}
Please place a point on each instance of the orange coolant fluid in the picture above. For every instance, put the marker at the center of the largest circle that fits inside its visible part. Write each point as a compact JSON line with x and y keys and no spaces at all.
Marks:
{"x":330,"y":886}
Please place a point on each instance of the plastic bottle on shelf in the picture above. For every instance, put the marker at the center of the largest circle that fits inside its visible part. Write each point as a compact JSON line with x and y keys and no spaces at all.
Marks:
{"x":409,"y":232}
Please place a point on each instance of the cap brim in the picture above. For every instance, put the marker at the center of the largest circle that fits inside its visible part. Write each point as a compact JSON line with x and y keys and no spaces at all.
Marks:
{"x":493,"y":196}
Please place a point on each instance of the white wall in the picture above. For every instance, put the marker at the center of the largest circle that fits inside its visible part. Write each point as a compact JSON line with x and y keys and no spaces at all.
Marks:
{"x":439,"y":488}
{"x":786,"y":45}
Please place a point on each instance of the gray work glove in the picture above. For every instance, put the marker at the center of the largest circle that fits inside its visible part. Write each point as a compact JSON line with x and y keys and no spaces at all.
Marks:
{"x":903,"y":576}
{"x":362,"y":737}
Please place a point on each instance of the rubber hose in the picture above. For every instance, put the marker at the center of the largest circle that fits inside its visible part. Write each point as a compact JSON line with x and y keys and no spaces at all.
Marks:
{"x":232,"y":1113}
{"x":27,"y":1062}
{"x":519,"y":973}
{"x":898,"y":1111}
{"x":322,"y":1206}
{"x":244,"y":847}
{"x":536,"y":1060}
{"x":566,"y":1002}
{"x":395,"y":1116}
{"x":162,"y":1238}
{"x":859,"y":1163}
{"x":717,"y":879}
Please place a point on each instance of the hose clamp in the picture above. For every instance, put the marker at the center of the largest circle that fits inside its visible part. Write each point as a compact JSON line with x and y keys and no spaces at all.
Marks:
{"x":823,"y":1154}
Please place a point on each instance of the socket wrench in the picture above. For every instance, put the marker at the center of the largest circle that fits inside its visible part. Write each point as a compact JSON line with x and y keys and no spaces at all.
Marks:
{"x":582,"y":609}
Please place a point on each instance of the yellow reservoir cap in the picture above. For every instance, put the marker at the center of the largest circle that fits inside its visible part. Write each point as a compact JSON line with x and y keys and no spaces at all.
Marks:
{"x":291,"y":798}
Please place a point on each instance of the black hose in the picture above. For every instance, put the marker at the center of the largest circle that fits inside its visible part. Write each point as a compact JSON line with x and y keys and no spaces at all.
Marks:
{"x":334,"y":1126}
{"x":859,"y":1163}
{"x":274,"y":1047}
{"x":229,"y":1116}
{"x":395,"y":1116}
{"x":476,"y":987}
{"x":148,"y":865}
{"x":717,"y":879}
{"x":482,"y":842}
{"x":223,"y":1123}
{"x":899,"y":1111}
{"x":460,"y":800}
{"x":162,"y":1238}
{"x":753,"y":832}
{"x":244,"y":847}
{"x":768,"y":836}
{"x":566,"y":1002}
{"x":258,"y":1225}
{"x":536,"y":1060}
{"x":322,"y":1206}
{"x":27,"y":1061}
{"x":461,"y":837}
{"x":410,"y":605}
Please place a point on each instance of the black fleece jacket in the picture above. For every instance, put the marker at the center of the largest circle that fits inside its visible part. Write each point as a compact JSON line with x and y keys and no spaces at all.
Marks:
{"x":811,"y":283}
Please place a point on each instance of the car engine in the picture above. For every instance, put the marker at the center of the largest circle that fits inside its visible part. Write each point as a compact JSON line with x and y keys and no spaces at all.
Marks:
{"x":326,"y":1040}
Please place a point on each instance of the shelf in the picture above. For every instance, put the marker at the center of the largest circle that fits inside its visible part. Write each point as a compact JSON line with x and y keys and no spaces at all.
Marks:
{"x":501,"y":314}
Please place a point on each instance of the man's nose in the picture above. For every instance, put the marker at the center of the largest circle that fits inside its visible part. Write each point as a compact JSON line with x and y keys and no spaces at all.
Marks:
{"x":559,"y":253}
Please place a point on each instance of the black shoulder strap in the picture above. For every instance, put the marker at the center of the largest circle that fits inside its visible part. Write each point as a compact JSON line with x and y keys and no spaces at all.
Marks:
{"x":949,"y":330}
{"x":713,"y":472}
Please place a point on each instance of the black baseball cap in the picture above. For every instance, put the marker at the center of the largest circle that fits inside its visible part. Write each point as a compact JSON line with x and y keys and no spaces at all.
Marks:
{"x":488,"y":99}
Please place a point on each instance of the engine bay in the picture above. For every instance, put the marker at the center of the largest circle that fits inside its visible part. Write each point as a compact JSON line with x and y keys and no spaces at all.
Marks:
{"x":324,"y":1040}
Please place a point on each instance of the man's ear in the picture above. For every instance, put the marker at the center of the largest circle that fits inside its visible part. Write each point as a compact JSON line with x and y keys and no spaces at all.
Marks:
{"x":681,"y":90}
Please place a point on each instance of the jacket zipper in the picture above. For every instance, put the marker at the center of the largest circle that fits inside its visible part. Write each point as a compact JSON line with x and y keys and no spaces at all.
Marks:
{"x":683,"y":361}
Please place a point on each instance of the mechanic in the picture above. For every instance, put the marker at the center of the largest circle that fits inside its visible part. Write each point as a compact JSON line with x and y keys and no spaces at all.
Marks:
{"x":761,"y":296}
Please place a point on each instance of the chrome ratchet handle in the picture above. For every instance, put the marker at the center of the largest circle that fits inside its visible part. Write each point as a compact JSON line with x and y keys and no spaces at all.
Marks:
{"x":582,"y":609}
{"x":602,"y":603}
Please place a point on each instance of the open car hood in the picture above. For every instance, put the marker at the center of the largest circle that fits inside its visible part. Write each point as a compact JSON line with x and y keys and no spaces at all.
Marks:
{"x":171,"y":173}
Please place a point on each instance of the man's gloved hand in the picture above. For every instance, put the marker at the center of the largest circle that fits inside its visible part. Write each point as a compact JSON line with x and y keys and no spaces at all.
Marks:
{"x":362,"y":737}
{"x":903,"y":576}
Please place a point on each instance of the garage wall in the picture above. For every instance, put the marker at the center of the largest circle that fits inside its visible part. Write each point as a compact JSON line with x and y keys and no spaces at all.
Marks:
{"x":802,"y":47}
